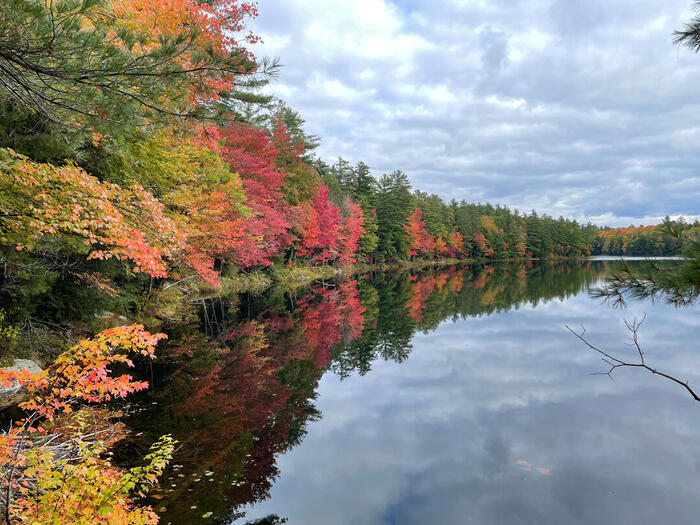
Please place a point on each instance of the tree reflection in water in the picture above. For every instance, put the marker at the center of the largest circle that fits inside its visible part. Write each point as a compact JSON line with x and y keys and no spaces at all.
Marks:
{"x":238,"y":388}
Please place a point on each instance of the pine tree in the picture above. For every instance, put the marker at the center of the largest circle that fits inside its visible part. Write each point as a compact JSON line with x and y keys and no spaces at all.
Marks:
{"x":393,"y":204}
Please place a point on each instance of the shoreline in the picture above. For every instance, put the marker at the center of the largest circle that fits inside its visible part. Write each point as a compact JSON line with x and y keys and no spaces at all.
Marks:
{"x":293,"y":278}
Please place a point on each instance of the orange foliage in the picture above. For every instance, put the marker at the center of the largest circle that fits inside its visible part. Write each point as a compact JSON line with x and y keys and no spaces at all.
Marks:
{"x":440,"y":246}
{"x":483,"y":244}
{"x":208,"y":27}
{"x":457,"y":282}
{"x":43,"y":488}
{"x":421,"y":289}
{"x":216,"y":230}
{"x":421,"y":240}
{"x":456,"y":243}
{"x":441,"y":280}
{"x":625,"y":231}
{"x":128,"y":224}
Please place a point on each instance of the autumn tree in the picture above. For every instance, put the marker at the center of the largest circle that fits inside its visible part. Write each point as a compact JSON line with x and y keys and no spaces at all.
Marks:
{"x":482,"y":243}
{"x":280,"y":112}
{"x":350,"y":233}
{"x":301,"y":180}
{"x":53,"y":460}
{"x":106,"y":220}
{"x":455,"y":244}
{"x":320,"y":229}
{"x":440,"y":246}
{"x":251,"y":154}
{"x":106,"y":66}
{"x":157,"y":185}
{"x":422,"y":243}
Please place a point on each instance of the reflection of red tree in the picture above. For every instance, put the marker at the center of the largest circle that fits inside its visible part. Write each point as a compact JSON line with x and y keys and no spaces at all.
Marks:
{"x":351,"y":309}
{"x":320,"y":325}
{"x":481,"y":280}
{"x":242,"y":383}
{"x":325,"y":316}
{"x":441,"y":280}
{"x":238,"y":404}
{"x":216,"y":406}
{"x":457,"y":282}
{"x":420,"y":291}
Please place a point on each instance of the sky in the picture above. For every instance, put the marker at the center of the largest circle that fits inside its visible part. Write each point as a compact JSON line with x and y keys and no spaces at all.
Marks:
{"x":580,"y":108}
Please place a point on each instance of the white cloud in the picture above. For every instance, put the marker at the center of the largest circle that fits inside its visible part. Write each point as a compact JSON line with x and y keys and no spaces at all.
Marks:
{"x":568,"y":106}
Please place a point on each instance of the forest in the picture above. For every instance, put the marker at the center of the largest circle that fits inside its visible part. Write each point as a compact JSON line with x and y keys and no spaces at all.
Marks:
{"x":107,"y":178}
{"x":671,"y":237}
{"x":141,"y":155}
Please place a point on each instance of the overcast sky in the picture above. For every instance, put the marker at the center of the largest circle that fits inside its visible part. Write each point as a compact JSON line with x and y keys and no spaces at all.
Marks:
{"x":581,"y":108}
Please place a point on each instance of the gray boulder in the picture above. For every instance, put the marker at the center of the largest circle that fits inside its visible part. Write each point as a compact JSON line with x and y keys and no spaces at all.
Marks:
{"x":14,"y":393}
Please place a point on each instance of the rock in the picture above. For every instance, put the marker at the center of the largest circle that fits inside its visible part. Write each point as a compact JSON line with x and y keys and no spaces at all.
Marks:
{"x":14,"y":393}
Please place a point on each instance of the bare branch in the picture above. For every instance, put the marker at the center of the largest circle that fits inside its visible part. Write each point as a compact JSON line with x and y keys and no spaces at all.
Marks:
{"x":616,"y":363}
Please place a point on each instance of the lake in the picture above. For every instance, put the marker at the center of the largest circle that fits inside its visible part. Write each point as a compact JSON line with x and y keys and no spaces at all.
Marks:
{"x":450,"y":395}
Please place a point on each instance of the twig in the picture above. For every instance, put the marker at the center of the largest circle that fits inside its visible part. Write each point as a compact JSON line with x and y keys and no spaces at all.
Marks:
{"x":616,"y":363}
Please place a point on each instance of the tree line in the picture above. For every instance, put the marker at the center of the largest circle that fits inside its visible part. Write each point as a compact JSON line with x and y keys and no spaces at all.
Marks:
{"x":403,"y":223}
{"x":670,"y":237}
{"x":164,"y":159}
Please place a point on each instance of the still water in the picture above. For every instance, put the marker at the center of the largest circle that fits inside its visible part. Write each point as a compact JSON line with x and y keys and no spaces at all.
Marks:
{"x":454,"y":395}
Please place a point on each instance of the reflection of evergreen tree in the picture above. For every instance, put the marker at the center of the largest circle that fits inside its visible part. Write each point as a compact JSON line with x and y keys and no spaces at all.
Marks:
{"x":358,"y":354}
{"x":421,"y":301}
{"x":395,"y":327}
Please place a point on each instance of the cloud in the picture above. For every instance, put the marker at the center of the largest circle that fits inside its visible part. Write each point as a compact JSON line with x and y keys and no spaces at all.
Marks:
{"x":580,"y":108}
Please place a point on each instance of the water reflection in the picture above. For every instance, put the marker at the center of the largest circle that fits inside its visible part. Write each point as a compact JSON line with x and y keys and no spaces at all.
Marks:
{"x":492,"y":418}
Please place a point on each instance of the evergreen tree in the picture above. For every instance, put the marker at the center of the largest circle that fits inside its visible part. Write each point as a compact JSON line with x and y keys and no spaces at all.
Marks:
{"x":393,"y":203}
{"x":365,"y":184}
